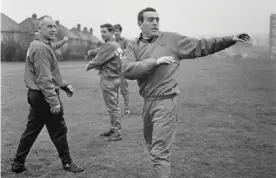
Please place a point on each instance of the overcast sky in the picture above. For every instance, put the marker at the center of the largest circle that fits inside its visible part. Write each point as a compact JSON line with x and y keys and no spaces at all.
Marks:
{"x":188,"y":17}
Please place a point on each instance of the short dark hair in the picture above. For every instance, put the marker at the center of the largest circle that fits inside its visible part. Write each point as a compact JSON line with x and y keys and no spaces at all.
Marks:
{"x":108,"y":26}
{"x":118,"y":26}
{"x":141,"y":13}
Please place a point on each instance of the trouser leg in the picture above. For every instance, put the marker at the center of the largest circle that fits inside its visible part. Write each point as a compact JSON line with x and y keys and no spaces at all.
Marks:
{"x":28,"y":137}
{"x":160,"y":124}
{"x":33,"y":128}
{"x":125,"y":93}
{"x":110,"y":88}
{"x":57,"y":130}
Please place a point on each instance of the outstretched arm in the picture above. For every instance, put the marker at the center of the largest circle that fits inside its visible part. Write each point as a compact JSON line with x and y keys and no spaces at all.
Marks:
{"x":58,"y":44}
{"x":189,"y":48}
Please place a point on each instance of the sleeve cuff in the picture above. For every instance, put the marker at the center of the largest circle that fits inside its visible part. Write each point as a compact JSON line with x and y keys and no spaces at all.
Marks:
{"x":229,"y":40}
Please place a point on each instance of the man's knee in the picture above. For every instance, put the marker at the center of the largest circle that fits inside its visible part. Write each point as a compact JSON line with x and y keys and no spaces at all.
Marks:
{"x":59,"y":133}
{"x":57,"y":128}
{"x":63,"y":128}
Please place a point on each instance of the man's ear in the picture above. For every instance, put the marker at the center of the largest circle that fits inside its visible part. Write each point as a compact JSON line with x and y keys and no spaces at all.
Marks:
{"x":139,"y":23}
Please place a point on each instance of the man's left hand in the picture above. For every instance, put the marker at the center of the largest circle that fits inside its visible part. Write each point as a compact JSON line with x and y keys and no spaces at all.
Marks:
{"x":243,"y":37}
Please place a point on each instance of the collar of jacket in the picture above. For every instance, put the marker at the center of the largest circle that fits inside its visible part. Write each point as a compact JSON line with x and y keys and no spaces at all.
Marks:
{"x":120,"y":38}
{"x":40,"y":38}
{"x":154,"y":38}
{"x":112,"y":39}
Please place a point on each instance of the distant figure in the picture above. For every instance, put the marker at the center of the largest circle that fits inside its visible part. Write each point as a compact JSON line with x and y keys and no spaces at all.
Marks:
{"x":124,"y":85}
{"x":153,"y":60}
{"x":108,"y":62}
{"x":43,"y":79}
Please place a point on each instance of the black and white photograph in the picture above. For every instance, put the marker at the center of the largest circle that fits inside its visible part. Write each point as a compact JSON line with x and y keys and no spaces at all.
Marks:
{"x":138,"y":89}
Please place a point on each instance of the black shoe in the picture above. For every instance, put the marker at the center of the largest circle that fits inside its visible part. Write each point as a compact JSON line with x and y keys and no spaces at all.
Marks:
{"x":18,"y":167}
{"x":107,"y":134}
{"x":72,"y":168}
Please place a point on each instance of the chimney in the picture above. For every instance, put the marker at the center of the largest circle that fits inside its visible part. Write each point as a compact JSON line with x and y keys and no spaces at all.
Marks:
{"x":34,"y":16}
{"x":79,"y":27}
{"x":91,"y":31}
{"x":85,"y":29}
{"x":57,"y":22}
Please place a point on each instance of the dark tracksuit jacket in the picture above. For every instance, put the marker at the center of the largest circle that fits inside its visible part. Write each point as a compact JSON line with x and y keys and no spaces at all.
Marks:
{"x":139,"y":62}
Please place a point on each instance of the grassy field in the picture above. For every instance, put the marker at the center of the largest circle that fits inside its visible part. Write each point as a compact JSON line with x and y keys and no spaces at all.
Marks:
{"x":227,"y":127}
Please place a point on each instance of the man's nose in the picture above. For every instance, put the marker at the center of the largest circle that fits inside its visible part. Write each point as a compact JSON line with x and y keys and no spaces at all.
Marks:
{"x":155,"y":21}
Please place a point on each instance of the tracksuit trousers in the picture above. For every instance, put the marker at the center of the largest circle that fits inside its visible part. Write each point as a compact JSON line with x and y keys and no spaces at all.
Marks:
{"x":160,"y":118}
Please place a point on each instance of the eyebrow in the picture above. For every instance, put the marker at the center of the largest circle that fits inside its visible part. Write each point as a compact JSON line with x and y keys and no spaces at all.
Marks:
{"x":153,"y":18}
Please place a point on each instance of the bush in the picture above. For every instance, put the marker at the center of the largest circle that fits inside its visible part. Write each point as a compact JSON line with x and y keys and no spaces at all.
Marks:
{"x":11,"y":51}
{"x":8,"y":50}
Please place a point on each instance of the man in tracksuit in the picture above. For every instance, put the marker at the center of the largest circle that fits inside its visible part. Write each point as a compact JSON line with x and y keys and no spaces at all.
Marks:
{"x":108,"y":61}
{"x":154,"y":60}
{"x":43,"y":79}
{"x":124,"y":85}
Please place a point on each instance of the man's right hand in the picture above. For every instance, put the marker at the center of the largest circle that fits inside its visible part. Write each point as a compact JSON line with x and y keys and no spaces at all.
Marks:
{"x":165,"y":60}
{"x":243,"y":37}
{"x":55,"y":110}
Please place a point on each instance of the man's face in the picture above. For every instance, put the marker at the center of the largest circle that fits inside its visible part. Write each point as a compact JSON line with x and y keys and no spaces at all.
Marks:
{"x":47,"y":28}
{"x":150,"y":24}
{"x":106,"y":35}
{"x":117,"y":33}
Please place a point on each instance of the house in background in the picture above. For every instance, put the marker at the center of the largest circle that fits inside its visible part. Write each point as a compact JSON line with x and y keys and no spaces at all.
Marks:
{"x":30,"y":24}
{"x":68,"y":49}
{"x":95,"y":41}
{"x":88,"y":41}
{"x":14,"y":40}
{"x":10,"y":30}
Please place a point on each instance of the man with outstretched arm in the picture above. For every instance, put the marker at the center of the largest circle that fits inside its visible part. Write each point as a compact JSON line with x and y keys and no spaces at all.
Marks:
{"x":153,"y":60}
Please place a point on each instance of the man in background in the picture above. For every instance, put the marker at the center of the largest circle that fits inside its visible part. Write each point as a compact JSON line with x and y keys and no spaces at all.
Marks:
{"x":124,"y":85}
{"x":108,"y":62}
